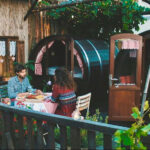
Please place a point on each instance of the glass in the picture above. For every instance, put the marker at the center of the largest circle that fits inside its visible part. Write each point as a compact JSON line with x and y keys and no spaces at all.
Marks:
{"x":12,"y":48}
{"x":30,"y":90}
{"x":125,"y":66}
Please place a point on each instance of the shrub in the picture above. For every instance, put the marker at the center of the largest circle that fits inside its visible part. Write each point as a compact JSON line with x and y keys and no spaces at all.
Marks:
{"x":132,"y":137}
{"x":83,"y":132}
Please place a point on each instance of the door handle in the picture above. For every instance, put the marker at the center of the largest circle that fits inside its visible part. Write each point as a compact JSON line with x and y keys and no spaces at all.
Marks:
{"x":114,"y":79}
{"x":111,"y":79}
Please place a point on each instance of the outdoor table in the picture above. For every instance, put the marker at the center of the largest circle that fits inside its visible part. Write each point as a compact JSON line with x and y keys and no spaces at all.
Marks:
{"x":37,"y":104}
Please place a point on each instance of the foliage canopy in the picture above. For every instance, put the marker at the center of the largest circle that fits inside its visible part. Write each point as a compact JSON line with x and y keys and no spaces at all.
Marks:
{"x":99,"y":19}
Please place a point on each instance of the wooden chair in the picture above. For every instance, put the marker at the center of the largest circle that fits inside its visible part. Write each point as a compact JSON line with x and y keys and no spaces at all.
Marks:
{"x":83,"y":102}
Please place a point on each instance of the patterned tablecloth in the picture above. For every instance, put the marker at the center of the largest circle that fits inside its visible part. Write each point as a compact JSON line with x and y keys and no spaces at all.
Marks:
{"x":37,"y":105}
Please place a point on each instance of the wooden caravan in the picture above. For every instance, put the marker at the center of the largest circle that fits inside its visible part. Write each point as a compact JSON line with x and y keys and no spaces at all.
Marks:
{"x":125,"y":75}
{"x":87,"y":59}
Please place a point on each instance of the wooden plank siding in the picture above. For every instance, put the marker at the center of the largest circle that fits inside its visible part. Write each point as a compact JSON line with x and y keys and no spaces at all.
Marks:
{"x":12,"y":22}
{"x":52,"y":121}
{"x":20,"y":52}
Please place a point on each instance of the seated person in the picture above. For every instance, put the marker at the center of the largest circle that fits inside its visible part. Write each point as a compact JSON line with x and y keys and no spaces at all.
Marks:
{"x":19,"y":84}
{"x":63,"y":92}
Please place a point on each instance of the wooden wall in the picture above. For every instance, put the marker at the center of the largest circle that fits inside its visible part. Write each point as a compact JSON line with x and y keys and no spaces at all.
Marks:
{"x":36,"y":27}
{"x":12,"y":22}
{"x":39,"y":28}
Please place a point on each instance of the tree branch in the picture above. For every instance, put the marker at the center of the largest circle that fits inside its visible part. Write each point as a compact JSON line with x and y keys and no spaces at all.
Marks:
{"x":54,"y":6}
{"x":30,"y":10}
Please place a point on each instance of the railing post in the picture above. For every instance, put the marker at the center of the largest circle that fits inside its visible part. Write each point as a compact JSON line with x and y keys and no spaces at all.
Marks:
{"x":107,"y":141}
{"x":51,"y":139}
{"x":29,"y":134}
{"x":39,"y":135}
{"x":91,"y":140}
{"x":146,"y":141}
{"x":9,"y":141}
{"x":4,"y":143}
{"x":75,"y":138}
{"x":63,"y":137}
{"x":21,"y":135}
{"x":8,"y":123}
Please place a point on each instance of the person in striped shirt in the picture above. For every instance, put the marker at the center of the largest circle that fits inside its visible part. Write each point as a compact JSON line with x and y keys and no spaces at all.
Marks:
{"x":63,"y":92}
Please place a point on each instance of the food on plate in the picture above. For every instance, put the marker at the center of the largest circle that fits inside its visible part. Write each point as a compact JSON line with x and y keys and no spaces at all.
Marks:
{"x":35,"y":96}
{"x":6,"y":101}
{"x":39,"y":96}
{"x":31,"y":96}
{"x":22,"y":96}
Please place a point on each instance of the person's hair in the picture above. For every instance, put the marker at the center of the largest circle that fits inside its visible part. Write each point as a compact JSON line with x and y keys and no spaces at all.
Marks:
{"x":64,"y":78}
{"x":19,"y":68}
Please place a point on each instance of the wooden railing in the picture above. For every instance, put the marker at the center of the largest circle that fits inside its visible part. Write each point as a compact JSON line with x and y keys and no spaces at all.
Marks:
{"x":9,"y":141}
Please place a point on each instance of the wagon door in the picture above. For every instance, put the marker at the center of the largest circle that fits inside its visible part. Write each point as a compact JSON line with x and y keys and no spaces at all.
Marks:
{"x":125,"y":76}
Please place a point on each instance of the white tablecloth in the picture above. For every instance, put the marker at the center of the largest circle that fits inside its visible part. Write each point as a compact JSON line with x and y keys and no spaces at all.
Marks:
{"x":42,"y":106}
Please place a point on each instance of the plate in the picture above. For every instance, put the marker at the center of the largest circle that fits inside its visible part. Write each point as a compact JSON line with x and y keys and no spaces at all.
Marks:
{"x":35,"y":97}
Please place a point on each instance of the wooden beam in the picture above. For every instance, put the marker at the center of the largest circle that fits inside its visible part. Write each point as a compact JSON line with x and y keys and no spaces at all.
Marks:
{"x":30,"y":10}
{"x":146,"y":13}
{"x":67,"y":4}
{"x":147,"y":1}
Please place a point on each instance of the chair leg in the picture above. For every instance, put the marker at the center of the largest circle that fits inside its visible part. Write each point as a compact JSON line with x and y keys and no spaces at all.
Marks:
{"x":44,"y":141}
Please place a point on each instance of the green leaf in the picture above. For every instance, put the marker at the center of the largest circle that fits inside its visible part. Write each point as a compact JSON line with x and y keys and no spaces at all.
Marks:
{"x":134,"y":115}
{"x":146,"y":128}
{"x":146,"y":105}
{"x":126,"y":139}
{"x":141,"y":146}
{"x":125,"y":26}
{"x":118,"y":132}
{"x":141,"y":133}
{"x":136,"y":112}
{"x":124,"y":15}
{"x":45,"y":3}
{"x":117,"y":139}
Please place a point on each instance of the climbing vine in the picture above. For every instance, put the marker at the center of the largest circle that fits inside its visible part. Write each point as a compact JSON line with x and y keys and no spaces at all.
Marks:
{"x":99,"y":19}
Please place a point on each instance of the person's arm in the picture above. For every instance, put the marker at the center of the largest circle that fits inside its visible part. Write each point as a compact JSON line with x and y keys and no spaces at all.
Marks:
{"x":11,"y":91}
{"x":55,"y":94}
{"x":30,"y":89}
{"x":29,"y":86}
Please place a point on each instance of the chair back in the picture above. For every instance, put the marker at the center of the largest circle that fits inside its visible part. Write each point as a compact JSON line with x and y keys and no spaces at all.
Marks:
{"x":83,"y":102}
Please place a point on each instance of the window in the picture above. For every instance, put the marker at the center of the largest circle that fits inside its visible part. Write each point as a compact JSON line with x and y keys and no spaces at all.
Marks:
{"x":8,"y":53}
{"x":126,"y":62}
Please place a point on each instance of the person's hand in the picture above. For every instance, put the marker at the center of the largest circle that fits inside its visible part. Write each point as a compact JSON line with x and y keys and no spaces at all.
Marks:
{"x":22,"y":94}
{"x":39,"y":92}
